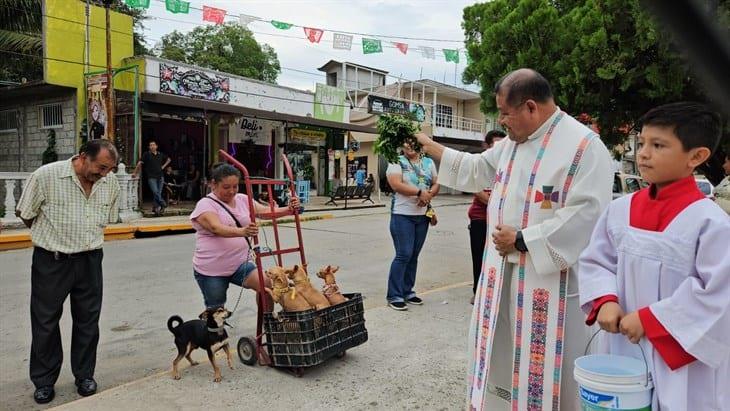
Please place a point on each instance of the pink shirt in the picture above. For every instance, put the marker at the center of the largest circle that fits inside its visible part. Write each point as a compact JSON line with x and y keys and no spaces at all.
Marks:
{"x":219,"y":256}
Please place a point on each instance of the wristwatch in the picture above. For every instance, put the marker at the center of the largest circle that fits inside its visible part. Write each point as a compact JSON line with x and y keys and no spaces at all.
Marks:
{"x":520,"y":243}
{"x":418,"y":194}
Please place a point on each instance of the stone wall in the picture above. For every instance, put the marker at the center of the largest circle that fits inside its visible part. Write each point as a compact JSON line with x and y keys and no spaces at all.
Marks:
{"x":23,"y":150}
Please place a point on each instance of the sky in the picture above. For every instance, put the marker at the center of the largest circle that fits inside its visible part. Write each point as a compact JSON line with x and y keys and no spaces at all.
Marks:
{"x":423,"y":21}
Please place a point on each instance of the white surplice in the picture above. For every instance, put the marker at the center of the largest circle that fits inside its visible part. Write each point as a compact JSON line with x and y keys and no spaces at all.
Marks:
{"x":683,"y":275}
{"x":553,"y":187}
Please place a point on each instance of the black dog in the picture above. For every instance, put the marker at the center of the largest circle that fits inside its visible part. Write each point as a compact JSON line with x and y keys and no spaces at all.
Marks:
{"x":206,"y":333}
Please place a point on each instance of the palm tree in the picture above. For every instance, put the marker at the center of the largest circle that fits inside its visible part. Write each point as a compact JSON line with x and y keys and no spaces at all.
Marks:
{"x":21,"y":26}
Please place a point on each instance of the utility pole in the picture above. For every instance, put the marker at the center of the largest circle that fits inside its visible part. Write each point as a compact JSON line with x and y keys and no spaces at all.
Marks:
{"x":87,"y":50}
{"x":109,"y":75}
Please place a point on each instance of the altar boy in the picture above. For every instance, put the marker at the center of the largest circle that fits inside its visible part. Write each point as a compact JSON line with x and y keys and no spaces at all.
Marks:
{"x":657,"y":269}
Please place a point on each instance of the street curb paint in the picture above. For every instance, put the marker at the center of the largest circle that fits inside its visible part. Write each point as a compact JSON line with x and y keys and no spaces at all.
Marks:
{"x":128,"y":232}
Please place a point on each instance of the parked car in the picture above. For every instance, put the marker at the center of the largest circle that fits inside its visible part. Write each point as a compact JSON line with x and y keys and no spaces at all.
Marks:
{"x":706,"y":187}
{"x":626,"y":184}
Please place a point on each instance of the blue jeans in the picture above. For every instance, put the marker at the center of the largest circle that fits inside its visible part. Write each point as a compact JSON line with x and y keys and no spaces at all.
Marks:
{"x":156,"y":188}
{"x":214,"y":288}
{"x":409,"y":234}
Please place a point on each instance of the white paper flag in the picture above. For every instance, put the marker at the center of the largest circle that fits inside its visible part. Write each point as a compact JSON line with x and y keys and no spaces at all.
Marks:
{"x":428,"y":52}
{"x":342,"y":41}
{"x":244,"y":20}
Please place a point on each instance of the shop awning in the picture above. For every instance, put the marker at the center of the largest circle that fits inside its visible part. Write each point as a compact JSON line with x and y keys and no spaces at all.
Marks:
{"x":206,"y":105}
{"x":364,"y":137}
{"x":470,"y":146}
{"x":182,"y":112}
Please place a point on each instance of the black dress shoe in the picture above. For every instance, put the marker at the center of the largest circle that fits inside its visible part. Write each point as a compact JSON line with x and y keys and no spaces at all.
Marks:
{"x":44,"y":395}
{"x":87,"y":386}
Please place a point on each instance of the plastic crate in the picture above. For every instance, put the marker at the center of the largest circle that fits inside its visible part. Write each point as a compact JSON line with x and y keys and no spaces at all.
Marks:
{"x":308,"y":338}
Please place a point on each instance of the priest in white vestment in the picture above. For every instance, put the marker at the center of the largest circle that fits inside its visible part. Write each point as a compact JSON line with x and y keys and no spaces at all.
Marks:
{"x":551,"y":180}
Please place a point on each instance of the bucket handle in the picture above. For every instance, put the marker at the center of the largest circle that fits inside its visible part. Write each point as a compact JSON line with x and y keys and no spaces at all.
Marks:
{"x":643,"y":355}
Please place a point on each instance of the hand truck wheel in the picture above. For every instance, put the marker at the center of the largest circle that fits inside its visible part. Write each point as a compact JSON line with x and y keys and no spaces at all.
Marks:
{"x":247,"y":351}
{"x":341,"y":354}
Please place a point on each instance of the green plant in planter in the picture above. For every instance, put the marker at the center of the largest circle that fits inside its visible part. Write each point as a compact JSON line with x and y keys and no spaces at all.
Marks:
{"x":50,"y":155}
{"x":308,"y":172}
{"x":394,"y":130}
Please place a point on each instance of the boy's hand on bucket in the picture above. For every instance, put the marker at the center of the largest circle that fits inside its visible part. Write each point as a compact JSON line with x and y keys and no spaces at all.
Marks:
{"x":631,"y":327}
{"x":609,"y":317}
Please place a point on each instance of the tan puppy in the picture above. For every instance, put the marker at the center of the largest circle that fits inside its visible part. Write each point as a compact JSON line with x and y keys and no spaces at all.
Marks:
{"x":288,"y":297}
{"x":301,"y":283}
{"x":330,"y":288}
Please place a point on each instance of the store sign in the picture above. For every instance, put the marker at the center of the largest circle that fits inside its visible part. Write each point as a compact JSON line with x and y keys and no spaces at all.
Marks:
{"x":254,"y":129}
{"x":194,"y":83}
{"x":329,"y":104}
{"x":311,"y":137}
{"x":382,"y":105}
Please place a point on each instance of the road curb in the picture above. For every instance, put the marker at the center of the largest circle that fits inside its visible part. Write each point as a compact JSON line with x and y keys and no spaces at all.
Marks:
{"x":128,"y":232}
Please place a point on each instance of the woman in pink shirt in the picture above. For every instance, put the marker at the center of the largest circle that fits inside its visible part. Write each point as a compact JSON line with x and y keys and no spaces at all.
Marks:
{"x":222,"y":223}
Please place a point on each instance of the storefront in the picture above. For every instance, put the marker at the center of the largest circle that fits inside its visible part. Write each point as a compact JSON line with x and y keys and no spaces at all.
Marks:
{"x":193,"y":112}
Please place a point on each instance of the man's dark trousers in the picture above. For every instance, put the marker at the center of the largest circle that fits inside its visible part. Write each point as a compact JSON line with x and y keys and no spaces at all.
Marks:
{"x":478,"y":239}
{"x":53,"y":278}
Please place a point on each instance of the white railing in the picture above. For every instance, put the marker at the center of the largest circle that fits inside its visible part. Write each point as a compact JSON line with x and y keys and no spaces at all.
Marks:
{"x":12,"y":186}
{"x":128,"y":195}
{"x":13,"y":183}
{"x":462,"y":123}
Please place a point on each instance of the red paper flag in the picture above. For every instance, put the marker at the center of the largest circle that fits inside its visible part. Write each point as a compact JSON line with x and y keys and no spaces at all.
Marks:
{"x":313,"y":35}
{"x":403,"y":47}
{"x":213,"y":14}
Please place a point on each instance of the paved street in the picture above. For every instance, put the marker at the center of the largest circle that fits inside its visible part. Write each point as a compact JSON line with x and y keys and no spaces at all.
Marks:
{"x":412,"y":360}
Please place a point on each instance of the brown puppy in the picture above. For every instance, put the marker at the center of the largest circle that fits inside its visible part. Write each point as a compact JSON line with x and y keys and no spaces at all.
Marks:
{"x":301,"y":283}
{"x":288,"y":297}
{"x":207,"y":333}
{"x":330,"y":288}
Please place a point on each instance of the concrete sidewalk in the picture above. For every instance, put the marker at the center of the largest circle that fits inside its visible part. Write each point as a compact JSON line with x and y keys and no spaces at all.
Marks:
{"x":11,"y":239}
{"x":413,"y":360}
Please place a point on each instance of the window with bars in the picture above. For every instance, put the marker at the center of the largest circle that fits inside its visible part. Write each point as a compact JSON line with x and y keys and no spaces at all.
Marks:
{"x":51,"y":115}
{"x":8,"y":121}
{"x":444,"y":116}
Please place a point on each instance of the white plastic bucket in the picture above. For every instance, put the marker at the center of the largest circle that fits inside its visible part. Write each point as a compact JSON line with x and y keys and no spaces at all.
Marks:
{"x":613,"y":382}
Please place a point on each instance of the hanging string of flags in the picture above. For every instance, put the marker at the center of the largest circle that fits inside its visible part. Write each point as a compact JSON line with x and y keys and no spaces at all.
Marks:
{"x":340,"y":41}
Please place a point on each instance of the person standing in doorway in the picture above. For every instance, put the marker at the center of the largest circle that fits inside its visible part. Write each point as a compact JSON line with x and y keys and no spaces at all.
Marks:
{"x":66,"y":205}
{"x":478,"y":217}
{"x":154,"y":162}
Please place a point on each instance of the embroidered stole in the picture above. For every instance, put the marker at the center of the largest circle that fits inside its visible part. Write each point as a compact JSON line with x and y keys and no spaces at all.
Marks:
{"x":539,"y":314}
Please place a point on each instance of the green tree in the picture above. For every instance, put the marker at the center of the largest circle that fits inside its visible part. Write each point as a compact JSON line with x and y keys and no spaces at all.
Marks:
{"x":50,"y":155}
{"x":20,"y":32}
{"x":606,"y":58}
{"x":229,"y":47}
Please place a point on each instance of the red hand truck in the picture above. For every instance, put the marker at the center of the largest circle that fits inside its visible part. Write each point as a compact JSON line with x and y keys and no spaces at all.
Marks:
{"x":249,"y":351}
{"x":295,"y":340}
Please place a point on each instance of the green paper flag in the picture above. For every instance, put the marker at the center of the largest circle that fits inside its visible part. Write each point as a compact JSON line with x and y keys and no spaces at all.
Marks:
{"x":452,"y":55}
{"x":177,"y":6}
{"x":281,"y":25}
{"x":138,"y":4}
{"x":370,"y":46}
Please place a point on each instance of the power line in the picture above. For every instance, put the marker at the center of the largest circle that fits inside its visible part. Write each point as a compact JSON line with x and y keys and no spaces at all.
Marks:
{"x":76,"y":22}
{"x":159,"y":78}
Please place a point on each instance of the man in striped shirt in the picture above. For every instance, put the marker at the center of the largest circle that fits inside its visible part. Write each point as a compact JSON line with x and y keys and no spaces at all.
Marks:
{"x":66,"y":205}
